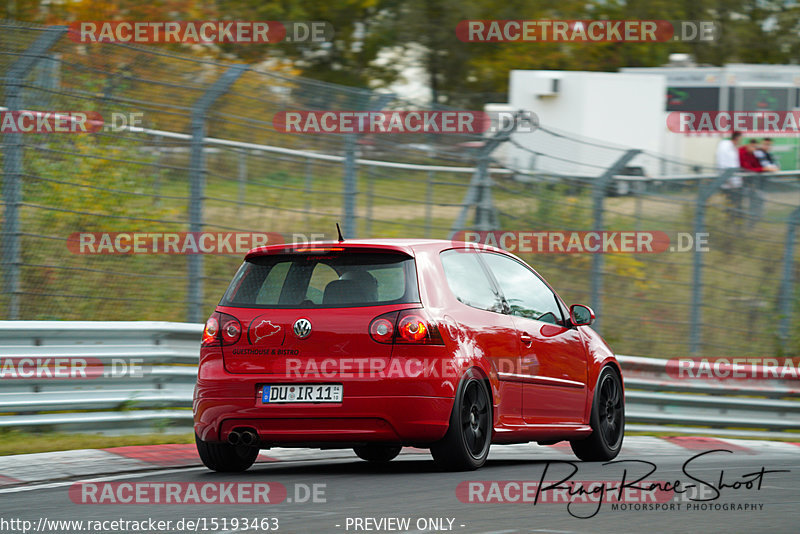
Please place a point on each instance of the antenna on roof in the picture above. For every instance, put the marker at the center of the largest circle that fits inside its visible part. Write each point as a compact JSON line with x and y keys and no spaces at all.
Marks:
{"x":339,"y":231}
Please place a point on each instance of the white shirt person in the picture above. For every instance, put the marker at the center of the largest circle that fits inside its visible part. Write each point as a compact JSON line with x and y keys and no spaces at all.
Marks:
{"x":728,"y":158}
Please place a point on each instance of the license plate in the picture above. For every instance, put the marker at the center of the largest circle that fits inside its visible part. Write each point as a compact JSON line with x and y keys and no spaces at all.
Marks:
{"x":293,"y":393}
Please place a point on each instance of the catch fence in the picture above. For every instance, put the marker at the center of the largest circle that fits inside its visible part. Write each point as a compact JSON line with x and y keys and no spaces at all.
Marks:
{"x":206,"y":157}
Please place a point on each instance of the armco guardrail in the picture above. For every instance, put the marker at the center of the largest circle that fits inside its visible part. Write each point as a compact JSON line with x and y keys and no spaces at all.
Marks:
{"x":158,"y":392}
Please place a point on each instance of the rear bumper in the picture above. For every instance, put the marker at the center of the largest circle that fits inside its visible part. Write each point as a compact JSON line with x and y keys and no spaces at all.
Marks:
{"x":407,"y":408}
{"x":392,"y":409}
{"x":389,"y":419}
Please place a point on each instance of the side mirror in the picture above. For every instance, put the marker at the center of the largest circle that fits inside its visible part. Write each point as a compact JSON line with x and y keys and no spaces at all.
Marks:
{"x":581,"y":315}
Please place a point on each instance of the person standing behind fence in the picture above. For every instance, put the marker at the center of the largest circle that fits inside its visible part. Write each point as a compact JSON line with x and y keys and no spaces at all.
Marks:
{"x":747,"y":157}
{"x":765,"y":158}
{"x":751,"y":162}
{"x":769,"y":164}
{"x":728,"y":158}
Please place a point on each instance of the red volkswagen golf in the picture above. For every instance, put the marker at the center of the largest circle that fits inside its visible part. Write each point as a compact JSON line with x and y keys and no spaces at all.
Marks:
{"x":377,"y":344}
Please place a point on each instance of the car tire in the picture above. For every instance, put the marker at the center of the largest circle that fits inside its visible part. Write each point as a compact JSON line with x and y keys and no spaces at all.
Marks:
{"x":377,"y":454}
{"x":224,"y":457}
{"x":466,"y":444}
{"x":607,"y":420}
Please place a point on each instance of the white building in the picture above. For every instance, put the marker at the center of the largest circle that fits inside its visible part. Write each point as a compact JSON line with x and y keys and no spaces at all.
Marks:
{"x":629,"y":109}
{"x":621,"y":110}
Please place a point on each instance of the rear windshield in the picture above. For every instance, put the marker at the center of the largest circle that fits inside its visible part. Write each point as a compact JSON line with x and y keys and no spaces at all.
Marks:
{"x":323,"y":281}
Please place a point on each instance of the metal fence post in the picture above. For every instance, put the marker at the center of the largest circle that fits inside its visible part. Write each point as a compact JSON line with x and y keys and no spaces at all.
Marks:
{"x":429,"y":203}
{"x":369,"y":175}
{"x":197,"y":171}
{"x":703,"y":194}
{"x":158,"y":172}
{"x":308,"y":187}
{"x":479,"y":193}
{"x":375,"y":102}
{"x":599,"y":187}
{"x":638,"y":210}
{"x":785,"y":299}
{"x":12,"y":165}
{"x":243,"y":155}
{"x":350,"y":188}
{"x":485,"y":213}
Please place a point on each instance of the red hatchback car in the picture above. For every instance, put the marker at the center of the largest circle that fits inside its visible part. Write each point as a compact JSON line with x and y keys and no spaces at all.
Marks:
{"x":377,"y":344}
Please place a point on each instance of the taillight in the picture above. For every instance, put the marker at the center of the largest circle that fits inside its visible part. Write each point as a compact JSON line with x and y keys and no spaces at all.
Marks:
{"x":413,"y":328}
{"x":382,"y":329}
{"x":228,"y":334}
{"x":405,"y":326}
{"x":211,"y":330}
{"x":231,"y":331}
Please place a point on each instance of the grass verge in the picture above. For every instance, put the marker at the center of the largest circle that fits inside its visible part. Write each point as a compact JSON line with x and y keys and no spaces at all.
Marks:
{"x":15,"y":442}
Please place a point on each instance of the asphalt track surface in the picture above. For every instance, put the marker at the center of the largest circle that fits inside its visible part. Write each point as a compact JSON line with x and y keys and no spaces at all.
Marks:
{"x":412,"y":488}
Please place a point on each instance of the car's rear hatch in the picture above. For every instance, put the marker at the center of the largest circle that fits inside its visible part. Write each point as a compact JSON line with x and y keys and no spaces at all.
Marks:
{"x":307,"y":312}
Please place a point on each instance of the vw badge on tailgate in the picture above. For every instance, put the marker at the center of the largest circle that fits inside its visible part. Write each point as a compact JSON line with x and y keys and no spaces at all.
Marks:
{"x":302,"y":328}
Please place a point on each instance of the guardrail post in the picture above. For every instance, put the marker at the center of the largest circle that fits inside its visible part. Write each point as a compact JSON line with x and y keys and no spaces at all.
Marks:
{"x":785,"y":299}
{"x":12,"y":164}
{"x":350,"y":188}
{"x":197,"y":170}
{"x":703,"y":194}
{"x":599,"y":186}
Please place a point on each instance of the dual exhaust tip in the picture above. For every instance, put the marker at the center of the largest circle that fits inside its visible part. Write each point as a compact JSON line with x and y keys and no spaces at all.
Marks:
{"x":247,"y":437}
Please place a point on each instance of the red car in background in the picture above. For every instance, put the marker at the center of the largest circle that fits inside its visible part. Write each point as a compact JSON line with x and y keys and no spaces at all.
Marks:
{"x":378,"y":344}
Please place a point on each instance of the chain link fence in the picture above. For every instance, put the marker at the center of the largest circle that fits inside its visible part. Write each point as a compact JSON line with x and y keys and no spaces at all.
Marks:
{"x":207,"y":157}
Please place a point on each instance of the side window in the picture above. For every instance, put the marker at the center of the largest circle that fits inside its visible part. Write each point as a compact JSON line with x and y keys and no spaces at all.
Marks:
{"x":527,"y":295}
{"x":468,"y":281}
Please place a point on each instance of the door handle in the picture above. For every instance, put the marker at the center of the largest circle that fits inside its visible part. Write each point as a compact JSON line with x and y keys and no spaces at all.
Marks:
{"x":526,"y":339}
